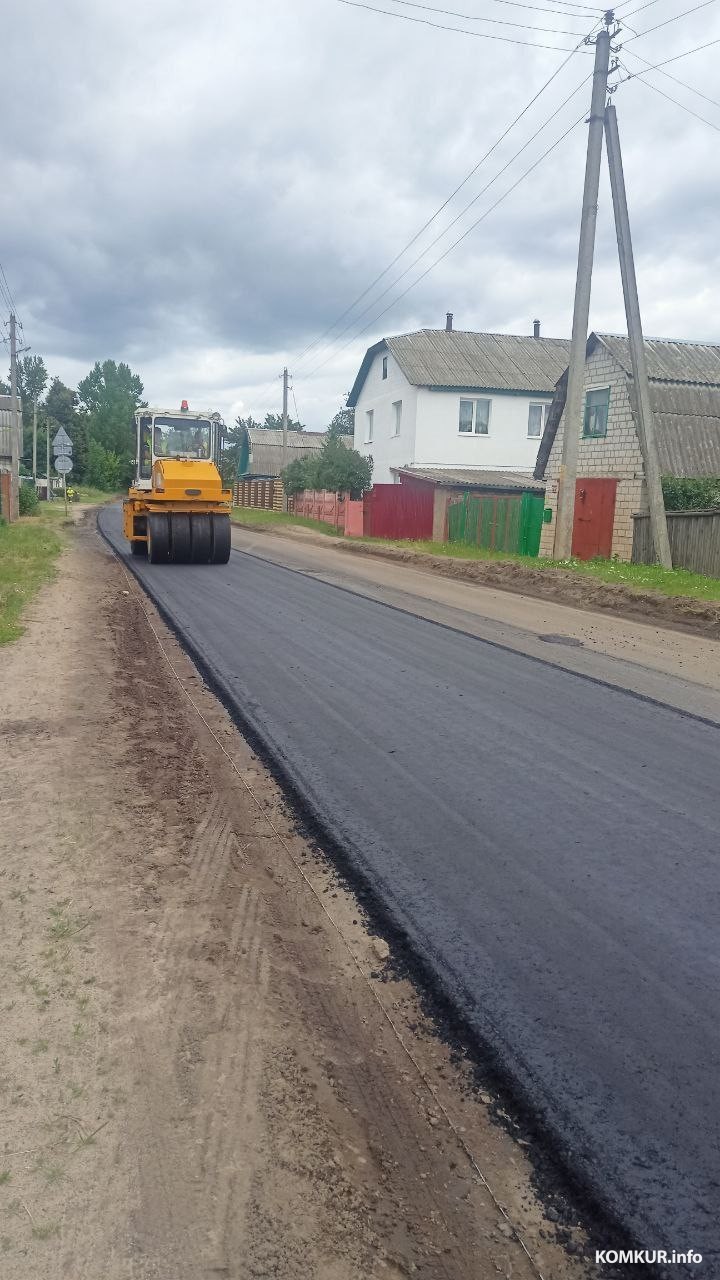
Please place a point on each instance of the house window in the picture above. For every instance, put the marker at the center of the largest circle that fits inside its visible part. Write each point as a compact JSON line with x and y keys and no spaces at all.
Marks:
{"x":595,"y":420}
{"x":384,"y":367}
{"x":369,"y":421}
{"x":397,"y":417}
{"x":536,"y":420}
{"x":474,"y":417}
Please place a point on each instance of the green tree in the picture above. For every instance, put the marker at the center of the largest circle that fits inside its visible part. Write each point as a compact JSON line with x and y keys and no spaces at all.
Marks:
{"x":686,"y":493}
{"x":335,"y":468}
{"x":273,"y":422}
{"x":32,"y":379}
{"x":105,"y":469}
{"x":61,"y":409}
{"x":4,"y":387}
{"x":108,"y":398}
{"x":343,"y":424}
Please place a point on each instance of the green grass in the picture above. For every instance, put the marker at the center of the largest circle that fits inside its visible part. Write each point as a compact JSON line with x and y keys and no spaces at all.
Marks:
{"x":28,"y":549}
{"x":640,"y":577}
{"x":252,"y":516}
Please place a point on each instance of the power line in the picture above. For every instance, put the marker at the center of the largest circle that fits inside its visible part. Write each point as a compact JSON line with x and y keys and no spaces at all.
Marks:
{"x":666,"y":23}
{"x":640,"y":9}
{"x":640,"y":75}
{"x":462,"y":31}
{"x":677,"y":56}
{"x":297,"y":415}
{"x":675,"y":79}
{"x":502,"y":22}
{"x":460,"y":215}
{"x":440,"y":209}
{"x":520,"y":4}
{"x":455,"y":243}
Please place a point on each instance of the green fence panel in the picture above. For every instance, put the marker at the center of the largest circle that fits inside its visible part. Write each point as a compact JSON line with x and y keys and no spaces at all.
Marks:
{"x":533,"y":506}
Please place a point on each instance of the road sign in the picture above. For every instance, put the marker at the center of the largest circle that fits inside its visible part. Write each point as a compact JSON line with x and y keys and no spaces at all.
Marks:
{"x":63,"y":464}
{"x":62,"y":442}
{"x":65,"y":452}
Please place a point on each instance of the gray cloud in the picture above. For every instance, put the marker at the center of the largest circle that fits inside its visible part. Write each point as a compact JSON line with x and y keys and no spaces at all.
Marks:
{"x":202,"y":190}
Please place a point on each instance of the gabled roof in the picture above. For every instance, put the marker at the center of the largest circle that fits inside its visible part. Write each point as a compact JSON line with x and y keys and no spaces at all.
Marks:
{"x":474,"y":478}
{"x":684,"y":380}
{"x":456,"y":360}
{"x":262,"y":450}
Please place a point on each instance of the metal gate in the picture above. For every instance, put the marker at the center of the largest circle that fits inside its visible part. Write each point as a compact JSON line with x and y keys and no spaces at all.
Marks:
{"x":512,"y":524}
{"x":399,"y":511}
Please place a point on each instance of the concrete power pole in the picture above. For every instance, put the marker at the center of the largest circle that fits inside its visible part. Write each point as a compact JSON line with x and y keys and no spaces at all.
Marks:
{"x":35,"y":440}
{"x":645,"y":419}
{"x":285,"y":428}
{"x":15,"y":429}
{"x":581,"y":311}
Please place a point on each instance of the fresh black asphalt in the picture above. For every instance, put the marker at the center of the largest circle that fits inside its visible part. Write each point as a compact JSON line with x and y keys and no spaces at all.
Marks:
{"x":550,"y":844}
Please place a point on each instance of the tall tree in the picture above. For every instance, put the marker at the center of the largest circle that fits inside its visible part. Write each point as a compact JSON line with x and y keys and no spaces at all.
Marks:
{"x":108,"y":398}
{"x":273,"y":422}
{"x":61,"y":409}
{"x":343,"y":424}
{"x":32,"y":378}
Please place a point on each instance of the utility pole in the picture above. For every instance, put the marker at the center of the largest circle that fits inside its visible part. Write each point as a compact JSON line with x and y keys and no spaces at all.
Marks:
{"x":285,"y":427}
{"x":35,"y":440}
{"x":581,"y":311}
{"x":15,"y":429}
{"x":645,"y":419}
{"x":48,"y":494}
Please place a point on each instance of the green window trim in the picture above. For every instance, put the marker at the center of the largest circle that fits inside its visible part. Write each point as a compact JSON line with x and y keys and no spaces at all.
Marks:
{"x":595,"y":413}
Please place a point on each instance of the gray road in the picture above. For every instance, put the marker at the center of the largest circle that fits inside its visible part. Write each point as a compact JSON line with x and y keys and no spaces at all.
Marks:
{"x":550,"y":843}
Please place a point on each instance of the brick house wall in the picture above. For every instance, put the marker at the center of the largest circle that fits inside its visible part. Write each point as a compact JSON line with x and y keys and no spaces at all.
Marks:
{"x":616,"y":455}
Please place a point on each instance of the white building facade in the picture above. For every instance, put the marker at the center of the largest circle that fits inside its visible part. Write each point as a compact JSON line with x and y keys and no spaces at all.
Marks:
{"x":442,"y":398}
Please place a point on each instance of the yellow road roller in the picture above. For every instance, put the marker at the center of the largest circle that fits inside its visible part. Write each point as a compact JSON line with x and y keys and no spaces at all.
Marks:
{"x":177,"y":511}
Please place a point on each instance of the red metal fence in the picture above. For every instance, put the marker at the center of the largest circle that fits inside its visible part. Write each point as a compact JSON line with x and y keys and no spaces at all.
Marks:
{"x":399,"y":511}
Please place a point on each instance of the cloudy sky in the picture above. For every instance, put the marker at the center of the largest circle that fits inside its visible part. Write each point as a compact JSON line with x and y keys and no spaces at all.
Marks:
{"x":203,"y":189}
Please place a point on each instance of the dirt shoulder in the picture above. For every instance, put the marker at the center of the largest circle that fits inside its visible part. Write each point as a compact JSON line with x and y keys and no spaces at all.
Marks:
{"x":560,"y":585}
{"x":207,"y":1066}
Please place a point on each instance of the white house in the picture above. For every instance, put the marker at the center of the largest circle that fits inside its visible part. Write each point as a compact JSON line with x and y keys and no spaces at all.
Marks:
{"x":446,"y":398}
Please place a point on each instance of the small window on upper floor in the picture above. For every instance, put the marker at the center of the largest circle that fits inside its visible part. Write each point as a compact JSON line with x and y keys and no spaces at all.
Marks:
{"x":369,"y":423}
{"x":536,"y":420}
{"x":384,"y":367}
{"x":397,"y":417}
{"x":474,"y":417}
{"x":595,"y":420}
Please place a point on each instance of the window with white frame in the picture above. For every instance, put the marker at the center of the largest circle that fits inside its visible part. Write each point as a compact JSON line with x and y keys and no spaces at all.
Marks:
{"x":384,"y":367}
{"x":536,"y":420}
{"x":369,"y":423}
{"x":397,"y":417}
{"x":474,"y":417}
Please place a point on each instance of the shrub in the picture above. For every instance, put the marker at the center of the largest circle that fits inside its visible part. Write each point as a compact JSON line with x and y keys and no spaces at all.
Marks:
{"x":28,"y":500}
{"x":105,"y":469}
{"x":685,"y":493}
{"x":335,"y":468}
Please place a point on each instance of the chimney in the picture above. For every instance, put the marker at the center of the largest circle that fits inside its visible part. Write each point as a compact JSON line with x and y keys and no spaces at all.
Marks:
{"x":448,"y":322}
{"x":536,"y":328}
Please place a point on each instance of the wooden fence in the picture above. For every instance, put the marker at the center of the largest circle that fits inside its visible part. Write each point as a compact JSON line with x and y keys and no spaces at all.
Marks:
{"x":264,"y":495}
{"x":498,"y":523}
{"x":694,"y":541}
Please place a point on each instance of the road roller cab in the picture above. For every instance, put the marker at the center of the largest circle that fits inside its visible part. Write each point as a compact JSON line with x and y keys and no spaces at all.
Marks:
{"x":177,"y":511}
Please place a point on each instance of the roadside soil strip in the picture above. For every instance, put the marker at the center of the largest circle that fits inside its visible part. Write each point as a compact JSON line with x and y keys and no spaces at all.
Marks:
{"x":199,"y":1077}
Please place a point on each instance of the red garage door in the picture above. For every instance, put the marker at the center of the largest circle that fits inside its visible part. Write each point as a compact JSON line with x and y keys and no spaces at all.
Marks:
{"x":594,"y":518}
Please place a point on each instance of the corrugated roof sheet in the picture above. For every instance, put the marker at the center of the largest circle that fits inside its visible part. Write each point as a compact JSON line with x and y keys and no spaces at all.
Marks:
{"x":474,"y":478}
{"x":481,"y":361}
{"x":266,"y":451}
{"x":684,"y":380}
{"x":670,"y":361}
{"x":463,"y":360}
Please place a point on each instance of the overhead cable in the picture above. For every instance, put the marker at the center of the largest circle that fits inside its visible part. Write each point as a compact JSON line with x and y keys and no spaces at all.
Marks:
{"x":501,"y":22}
{"x":675,"y":79}
{"x":458,"y":216}
{"x":455,"y":243}
{"x":461,"y":31}
{"x":686,"y":13}
{"x":640,"y":75}
{"x":439,"y":210}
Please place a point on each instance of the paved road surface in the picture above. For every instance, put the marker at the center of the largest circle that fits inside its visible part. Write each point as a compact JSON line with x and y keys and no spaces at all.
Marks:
{"x":551,"y":844}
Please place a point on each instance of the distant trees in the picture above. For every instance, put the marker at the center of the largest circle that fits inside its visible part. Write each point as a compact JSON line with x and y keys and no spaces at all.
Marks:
{"x":343,"y":424}
{"x":108,"y":398}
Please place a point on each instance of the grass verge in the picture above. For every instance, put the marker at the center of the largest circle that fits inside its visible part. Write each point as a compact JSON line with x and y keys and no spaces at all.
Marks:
{"x":640,"y":577}
{"x":252,"y":517}
{"x":28,"y":550}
